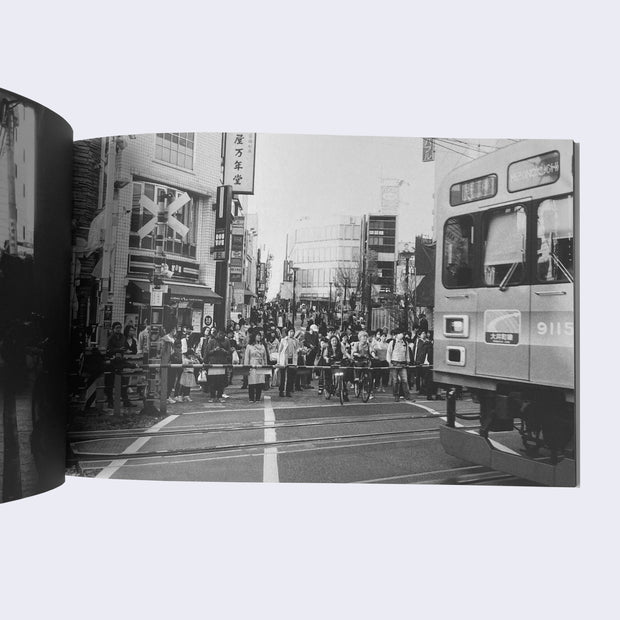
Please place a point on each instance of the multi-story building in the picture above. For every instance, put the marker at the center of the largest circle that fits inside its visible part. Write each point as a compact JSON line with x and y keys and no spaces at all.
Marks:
{"x":18,"y":183}
{"x":378,"y":245}
{"x":127,"y":181}
{"x":324,"y":254}
{"x":244,"y":292}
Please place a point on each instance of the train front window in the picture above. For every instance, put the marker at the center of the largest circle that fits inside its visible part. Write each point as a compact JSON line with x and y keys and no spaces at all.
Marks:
{"x":458,"y":252}
{"x":504,"y":247}
{"x":554,"y":244}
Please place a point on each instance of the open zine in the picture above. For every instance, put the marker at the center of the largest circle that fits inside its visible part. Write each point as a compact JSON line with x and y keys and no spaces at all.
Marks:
{"x":243,"y":307}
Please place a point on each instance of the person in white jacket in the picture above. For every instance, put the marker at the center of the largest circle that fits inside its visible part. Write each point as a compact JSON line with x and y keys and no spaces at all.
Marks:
{"x":287,"y":357}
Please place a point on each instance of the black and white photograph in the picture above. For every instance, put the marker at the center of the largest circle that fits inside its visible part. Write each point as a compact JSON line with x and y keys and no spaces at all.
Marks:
{"x":307,"y":310}
{"x":251,"y":307}
{"x":34,"y":223}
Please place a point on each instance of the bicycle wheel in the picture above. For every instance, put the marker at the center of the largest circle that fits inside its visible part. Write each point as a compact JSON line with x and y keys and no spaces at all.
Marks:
{"x":327,"y":391}
{"x":366,"y":386}
{"x":357,"y":383}
{"x":340,"y":389}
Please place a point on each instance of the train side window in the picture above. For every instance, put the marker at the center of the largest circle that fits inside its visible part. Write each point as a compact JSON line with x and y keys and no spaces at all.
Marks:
{"x":458,"y":252}
{"x":554,"y":244}
{"x":504,"y":247}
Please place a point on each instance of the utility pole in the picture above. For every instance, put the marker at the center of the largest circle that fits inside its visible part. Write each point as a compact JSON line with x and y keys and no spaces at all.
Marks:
{"x":329,"y":307}
{"x":407,"y":256}
{"x":109,"y":242}
{"x":344,"y":301}
{"x":294,"y":310}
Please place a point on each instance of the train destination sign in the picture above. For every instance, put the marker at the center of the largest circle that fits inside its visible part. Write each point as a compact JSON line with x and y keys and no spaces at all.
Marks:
{"x":474,"y":189}
{"x":534,"y":171}
{"x":502,"y":326}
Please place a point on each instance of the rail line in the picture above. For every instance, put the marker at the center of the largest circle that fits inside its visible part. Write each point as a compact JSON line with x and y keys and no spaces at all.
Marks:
{"x":84,"y":436}
{"x":259,"y":445}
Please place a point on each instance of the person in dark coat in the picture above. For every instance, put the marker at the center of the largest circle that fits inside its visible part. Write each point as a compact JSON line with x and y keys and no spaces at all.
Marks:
{"x":219,"y":351}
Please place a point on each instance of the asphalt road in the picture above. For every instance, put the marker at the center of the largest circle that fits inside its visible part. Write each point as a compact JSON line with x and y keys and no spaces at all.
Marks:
{"x":299,"y":439}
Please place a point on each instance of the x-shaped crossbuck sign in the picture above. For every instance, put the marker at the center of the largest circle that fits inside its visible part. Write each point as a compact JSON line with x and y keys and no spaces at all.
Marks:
{"x":180,"y":201}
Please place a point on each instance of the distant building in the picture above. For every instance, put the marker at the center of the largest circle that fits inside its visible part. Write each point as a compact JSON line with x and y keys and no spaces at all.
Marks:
{"x":379,"y":247}
{"x":324,"y":252}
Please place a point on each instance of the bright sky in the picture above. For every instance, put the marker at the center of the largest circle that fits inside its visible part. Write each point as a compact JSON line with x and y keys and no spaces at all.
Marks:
{"x":315,"y":176}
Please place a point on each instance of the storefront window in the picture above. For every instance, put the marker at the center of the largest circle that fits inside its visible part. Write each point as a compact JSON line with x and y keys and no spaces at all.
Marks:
{"x":142,"y":215}
{"x":555,"y":257}
{"x":458,"y":246}
{"x":504,"y":247}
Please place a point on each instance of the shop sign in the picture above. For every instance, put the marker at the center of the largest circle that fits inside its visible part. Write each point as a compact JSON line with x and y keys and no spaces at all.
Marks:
{"x":239,"y":159}
{"x":238,"y":225}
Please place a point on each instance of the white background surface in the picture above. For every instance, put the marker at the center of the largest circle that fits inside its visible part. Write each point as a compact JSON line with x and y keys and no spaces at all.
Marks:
{"x":112,"y":549}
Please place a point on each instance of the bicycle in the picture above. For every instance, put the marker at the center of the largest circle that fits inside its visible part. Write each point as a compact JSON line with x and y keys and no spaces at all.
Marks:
{"x":335,"y":386}
{"x":363,"y":382}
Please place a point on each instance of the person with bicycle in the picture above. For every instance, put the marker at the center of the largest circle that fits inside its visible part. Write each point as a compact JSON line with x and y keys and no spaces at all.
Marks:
{"x":398,"y":358}
{"x":334,"y":355}
{"x":363,"y":356}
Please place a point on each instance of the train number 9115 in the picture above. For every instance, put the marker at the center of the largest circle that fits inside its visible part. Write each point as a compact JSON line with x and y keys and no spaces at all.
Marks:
{"x":555,"y":328}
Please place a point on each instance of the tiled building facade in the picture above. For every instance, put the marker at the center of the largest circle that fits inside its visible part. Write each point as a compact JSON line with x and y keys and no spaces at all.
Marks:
{"x":121,"y":183}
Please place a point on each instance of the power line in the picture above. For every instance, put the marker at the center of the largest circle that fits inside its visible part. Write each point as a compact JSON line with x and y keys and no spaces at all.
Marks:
{"x":457,"y":152}
{"x":463,"y":145}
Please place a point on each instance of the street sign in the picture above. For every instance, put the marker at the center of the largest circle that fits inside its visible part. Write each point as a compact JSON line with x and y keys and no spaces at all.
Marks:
{"x":157,"y":298}
{"x":208,"y":321}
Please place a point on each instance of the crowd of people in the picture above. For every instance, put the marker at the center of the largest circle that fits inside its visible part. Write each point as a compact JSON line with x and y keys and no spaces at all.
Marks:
{"x":276,"y":354}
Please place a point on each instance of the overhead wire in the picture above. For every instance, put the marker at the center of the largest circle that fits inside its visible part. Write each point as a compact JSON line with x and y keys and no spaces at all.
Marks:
{"x":454,"y":151}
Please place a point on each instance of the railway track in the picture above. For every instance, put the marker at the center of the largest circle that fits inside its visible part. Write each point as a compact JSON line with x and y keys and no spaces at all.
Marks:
{"x":83,"y":436}
{"x":83,"y":457}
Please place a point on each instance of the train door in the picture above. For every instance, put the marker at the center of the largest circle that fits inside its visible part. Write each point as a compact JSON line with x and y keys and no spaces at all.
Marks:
{"x":552,"y":327}
{"x":503,"y":313}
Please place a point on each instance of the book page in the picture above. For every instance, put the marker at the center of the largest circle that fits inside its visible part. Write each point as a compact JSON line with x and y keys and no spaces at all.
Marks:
{"x":35,"y":250}
{"x":300,"y":308}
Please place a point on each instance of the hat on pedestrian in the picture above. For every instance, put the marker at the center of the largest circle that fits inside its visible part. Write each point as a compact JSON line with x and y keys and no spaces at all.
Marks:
{"x":314,"y":328}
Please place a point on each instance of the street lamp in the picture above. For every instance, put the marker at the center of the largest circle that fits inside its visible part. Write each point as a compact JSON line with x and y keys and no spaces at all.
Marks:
{"x":295,"y":269}
{"x":329,"y":307}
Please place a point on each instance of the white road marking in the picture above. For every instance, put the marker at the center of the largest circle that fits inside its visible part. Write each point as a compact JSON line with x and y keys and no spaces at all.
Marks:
{"x":114,"y":466}
{"x":270,"y":458}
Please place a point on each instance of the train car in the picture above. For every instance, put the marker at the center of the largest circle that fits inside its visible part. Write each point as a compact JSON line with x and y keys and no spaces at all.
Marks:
{"x":504,"y":290}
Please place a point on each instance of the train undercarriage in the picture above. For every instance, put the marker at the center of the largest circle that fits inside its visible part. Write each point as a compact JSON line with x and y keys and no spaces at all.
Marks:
{"x":544,"y":420}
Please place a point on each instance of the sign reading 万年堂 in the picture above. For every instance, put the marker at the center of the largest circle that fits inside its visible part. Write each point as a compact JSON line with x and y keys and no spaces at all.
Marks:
{"x":239,"y":158}
{"x":502,"y":326}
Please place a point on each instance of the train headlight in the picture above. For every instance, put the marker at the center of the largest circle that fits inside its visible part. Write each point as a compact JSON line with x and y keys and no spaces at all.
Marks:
{"x":455,"y":356}
{"x":456,"y":326}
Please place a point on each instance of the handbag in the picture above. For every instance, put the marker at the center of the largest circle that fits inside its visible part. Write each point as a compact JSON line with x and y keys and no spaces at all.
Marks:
{"x":187,"y":378}
{"x":202,"y":376}
{"x":235,"y":357}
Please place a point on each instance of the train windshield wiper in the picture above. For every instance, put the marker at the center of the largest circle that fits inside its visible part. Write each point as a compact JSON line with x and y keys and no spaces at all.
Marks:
{"x":560,"y":265}
{"x":504,"y":283}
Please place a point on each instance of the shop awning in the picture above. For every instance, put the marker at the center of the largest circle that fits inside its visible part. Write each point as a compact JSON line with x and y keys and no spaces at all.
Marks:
{"x":192,"y":292}
{"x":176,"y":292}
{"x":248,"y":293}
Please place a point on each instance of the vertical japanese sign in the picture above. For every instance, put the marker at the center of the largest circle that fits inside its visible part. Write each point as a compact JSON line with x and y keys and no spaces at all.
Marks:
{"x":239,"y":159}
{"x":237,"y":249}
{"x":428,"y":149}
